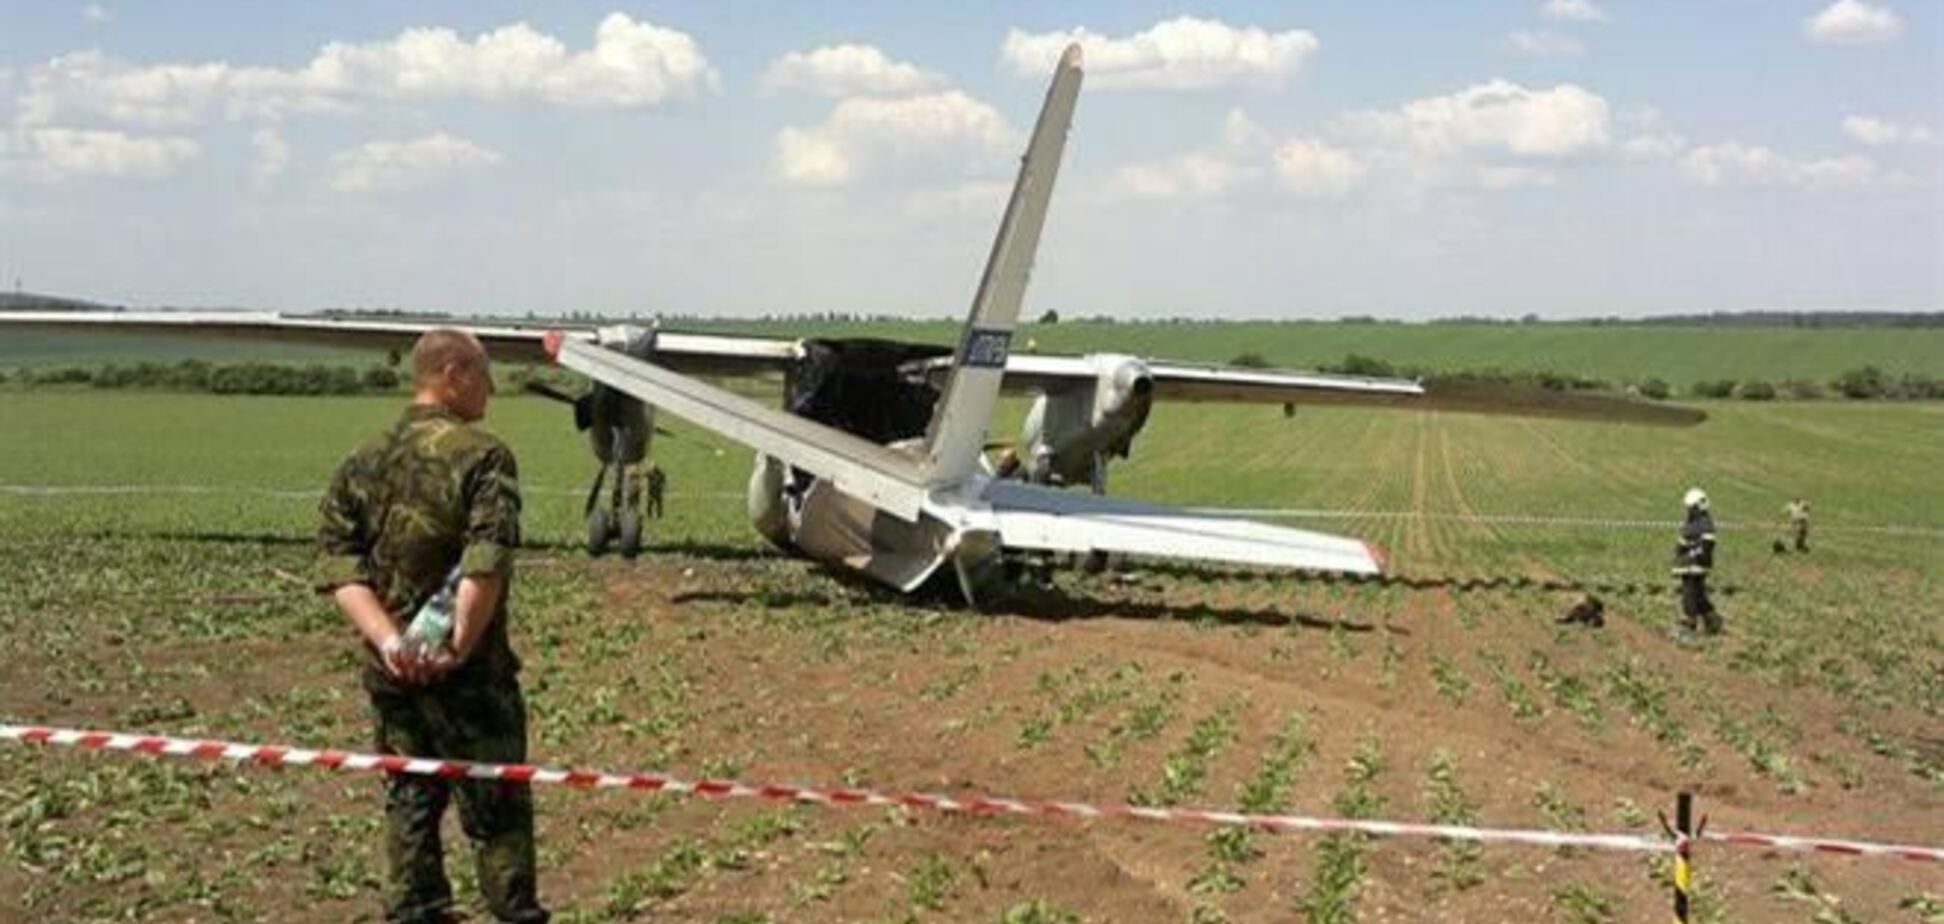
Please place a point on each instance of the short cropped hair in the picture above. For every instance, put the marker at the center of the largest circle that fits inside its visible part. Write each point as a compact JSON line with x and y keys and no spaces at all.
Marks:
{"x":441,"y":347}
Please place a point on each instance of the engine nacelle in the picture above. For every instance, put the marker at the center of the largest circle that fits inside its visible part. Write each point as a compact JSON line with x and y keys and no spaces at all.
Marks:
{"x":1069,"y":433}
{"x":1123,"y":396}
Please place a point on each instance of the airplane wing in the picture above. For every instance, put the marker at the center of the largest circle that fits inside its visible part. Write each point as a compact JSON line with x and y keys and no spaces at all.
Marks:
{"x":1031,"y":517}
{"x":731,"y":355}
{"x":887,"y":478}
{"x":693,"y":354}
{"x":1176,"y":381}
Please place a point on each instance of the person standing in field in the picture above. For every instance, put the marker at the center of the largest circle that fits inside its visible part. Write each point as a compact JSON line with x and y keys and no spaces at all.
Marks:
{"x":432,"y":501}
{"x":657,"y":487}
{"x":634,"y":495}
{"x":1797,"y":513}
{"x":1693,"y":560}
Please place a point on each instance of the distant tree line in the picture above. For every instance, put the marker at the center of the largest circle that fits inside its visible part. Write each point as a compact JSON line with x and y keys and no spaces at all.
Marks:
{"x":1357,"y":364}
{"x":245,"y":378}
{"x":1867,"y":383}
{"x":1801,"y":319}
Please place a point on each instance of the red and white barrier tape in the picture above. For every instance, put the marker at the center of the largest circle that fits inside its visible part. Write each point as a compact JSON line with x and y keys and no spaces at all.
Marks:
{"x":972,"y":804}
{"x":1821,"y":845}
{"x":275,"y":756}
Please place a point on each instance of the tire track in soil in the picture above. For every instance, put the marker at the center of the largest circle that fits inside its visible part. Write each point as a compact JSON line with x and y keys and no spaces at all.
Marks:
{"x":1421,"y":546}
{"x":1382,"y":466}
{"x":1469,"y":533}
{"x":1601,"y":478}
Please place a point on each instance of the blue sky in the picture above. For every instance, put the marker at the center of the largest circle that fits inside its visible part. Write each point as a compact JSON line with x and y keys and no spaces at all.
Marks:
{"x":1559,"y":157}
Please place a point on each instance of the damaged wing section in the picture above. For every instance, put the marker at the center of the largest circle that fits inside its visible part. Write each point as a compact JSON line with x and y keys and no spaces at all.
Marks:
{"x":885,"y":477}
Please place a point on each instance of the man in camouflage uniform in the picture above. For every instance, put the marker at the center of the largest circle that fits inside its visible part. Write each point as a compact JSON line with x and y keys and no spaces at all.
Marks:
{"x":657,"y":488}
{"x":1693,"y":559}
{"x":432,"y":492}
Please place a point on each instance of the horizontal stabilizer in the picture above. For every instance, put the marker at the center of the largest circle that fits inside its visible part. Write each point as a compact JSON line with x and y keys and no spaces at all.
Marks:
{"x":1031,"y":517}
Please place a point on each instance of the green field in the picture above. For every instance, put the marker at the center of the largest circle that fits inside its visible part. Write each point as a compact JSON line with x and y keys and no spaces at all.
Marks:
{"x":1863,"y":464}
{"x":33,"y":349}
{"x":1681,"y":355}
{"x":156,"y":588}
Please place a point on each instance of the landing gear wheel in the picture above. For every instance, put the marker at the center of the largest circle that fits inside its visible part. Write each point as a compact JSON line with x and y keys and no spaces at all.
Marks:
{"x":600,"y":531}
{"x":1094,"y":563}
{"x":630,"y":534}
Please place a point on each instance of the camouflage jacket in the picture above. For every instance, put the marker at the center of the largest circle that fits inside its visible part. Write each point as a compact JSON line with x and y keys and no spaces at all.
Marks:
{"x":430,"y":492}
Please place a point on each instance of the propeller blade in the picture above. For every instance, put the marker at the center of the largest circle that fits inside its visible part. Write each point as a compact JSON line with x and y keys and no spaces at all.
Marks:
{"x":548,"y":391}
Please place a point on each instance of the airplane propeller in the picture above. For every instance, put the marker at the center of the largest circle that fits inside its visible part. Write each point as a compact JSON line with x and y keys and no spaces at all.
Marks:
{"x":583,"y":406}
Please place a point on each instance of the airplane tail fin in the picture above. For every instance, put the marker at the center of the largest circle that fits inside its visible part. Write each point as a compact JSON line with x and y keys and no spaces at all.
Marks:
{"x":958,"y":430}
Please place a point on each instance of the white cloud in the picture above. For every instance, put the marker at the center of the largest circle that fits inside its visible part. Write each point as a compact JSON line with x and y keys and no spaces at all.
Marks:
{"x":1245,"y":154}
{"x":848,"y":70}
{"x":1491,"y":136}
{"x":1185,"y":53}
{"x":807,"y":157}
{"x":1733,"y":163}
{"x":1653,"y":145}
{"x":866,"y":130}
{"x":52,"y":154}
{"x":1648,"y":137}
{"x":631,"y":63}
{"x":272,"y":155}
{"x":1498,"y":116}
{"x":1545,"y":44}
{"x":1877,"y":132}
{"x":1853,"y":22}
{"x":1208,"y":172}
{"x":1572,"y":11}
{"x":1194,"y":175}
{"x":1312,"y":169}
{"x":90,"y":84}
{"x":387,"y":166}
{"x":1506,"y":176}
{"x":96,"y":13}
{"x":984,"y":198}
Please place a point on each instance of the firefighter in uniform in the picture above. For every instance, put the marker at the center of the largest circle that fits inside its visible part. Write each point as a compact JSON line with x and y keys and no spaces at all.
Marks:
{"x":1693,"y":559}
{"x":432,"y":495}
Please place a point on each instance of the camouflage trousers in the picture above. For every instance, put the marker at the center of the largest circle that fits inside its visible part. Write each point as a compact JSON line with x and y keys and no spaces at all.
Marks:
{"x":464,"y":718}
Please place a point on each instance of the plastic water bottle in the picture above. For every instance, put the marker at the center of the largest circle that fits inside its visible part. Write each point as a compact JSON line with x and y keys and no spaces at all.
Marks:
{"x":432,"y":625}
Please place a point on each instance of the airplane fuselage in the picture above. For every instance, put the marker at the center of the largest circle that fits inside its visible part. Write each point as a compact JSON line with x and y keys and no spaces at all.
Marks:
{"x":811,"y":517}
